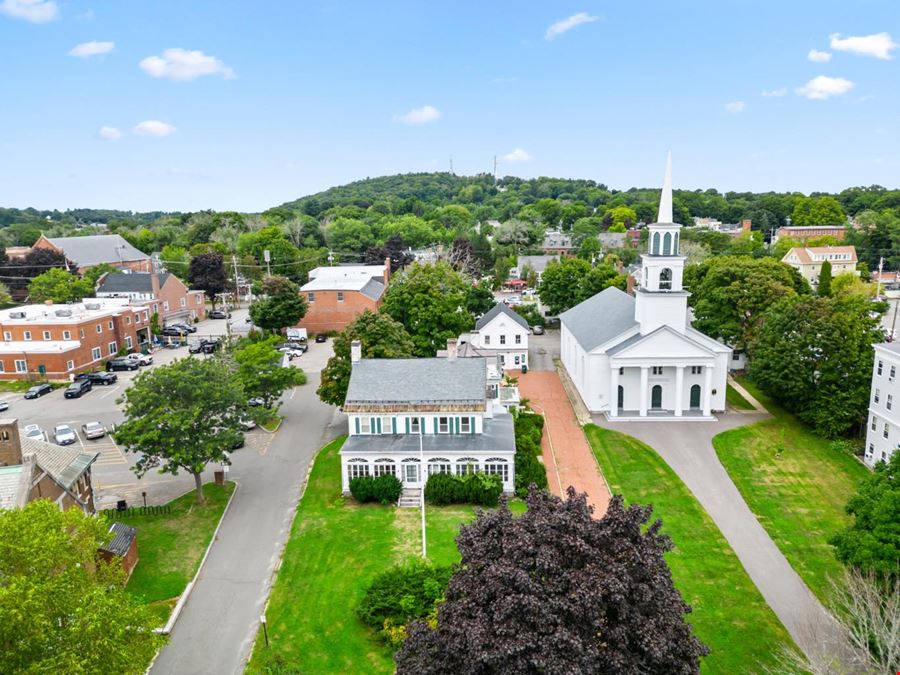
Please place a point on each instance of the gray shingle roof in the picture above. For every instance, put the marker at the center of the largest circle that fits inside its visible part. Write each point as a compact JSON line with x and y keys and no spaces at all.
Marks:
{"x":64,"y":463}
{"x":123,"y":535}
{"x":498,"y":436}
{"x":96,"y":249}
{"x":373,"y":289}
{"x":412,"y":382}
{"x":537,"y":262}
{"x":138,"y":282}
{"x":497,"y":310}
{"x":600,"y":318}
{"x":10,"y":479}
{"x":890,"y":346}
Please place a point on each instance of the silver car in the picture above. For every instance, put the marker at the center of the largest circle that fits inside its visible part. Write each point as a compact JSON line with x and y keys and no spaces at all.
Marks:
{"x":63,"y":434}
{"x":35,"y":432}
{"x":93,"y":430}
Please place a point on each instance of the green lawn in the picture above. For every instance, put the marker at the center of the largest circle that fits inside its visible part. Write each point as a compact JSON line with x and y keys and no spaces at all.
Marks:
{"x":797,"y":486}
{"x":735,"y":400}
{"x":171,"y":546}
{"x":335,"y":548}
{"x":729,"y":615}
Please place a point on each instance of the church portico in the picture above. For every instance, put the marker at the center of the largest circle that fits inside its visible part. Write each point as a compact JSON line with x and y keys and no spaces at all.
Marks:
{"x":680,"y":389}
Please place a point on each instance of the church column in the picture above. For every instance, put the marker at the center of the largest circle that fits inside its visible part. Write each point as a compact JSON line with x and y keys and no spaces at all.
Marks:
{"x":613,"y":391}
{"x":645,"y":372}
{"x":707,"y":390}
{"x":679,"y":390}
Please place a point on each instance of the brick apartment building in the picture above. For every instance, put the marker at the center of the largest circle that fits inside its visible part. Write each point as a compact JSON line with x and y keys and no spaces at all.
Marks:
{"x":32,"y":469}
{"x":805,"y":233}
{"x":165,"y":294}
{"x":337,"y":295}
{"x":57,"y":341}
{"x":93,"y":250}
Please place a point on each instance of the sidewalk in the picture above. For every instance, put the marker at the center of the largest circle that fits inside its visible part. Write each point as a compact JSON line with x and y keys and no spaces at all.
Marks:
{"x":566,"y":452}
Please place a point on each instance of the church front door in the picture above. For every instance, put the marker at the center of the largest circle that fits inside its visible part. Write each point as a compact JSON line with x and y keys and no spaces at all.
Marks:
{"x":656,"y":397}
{"x":695,"y":396}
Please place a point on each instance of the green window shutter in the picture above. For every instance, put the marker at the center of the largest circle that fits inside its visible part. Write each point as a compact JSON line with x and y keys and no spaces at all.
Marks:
{"x":356,"y":419}
{"x":435,"y":419}
{"x":394,"y":425}
{"x":422,"y":429}
{"x":378,"y":425}
{"x":471,"y":425}
{"x":455,"y":425}
{"x":407,"y":425}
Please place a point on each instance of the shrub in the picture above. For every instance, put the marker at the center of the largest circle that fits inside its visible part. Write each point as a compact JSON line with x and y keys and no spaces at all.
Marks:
{"x":529,"y":429}
{"x":385,"y":489}
{"x":400,"y":594}
{"x":475,"y":488}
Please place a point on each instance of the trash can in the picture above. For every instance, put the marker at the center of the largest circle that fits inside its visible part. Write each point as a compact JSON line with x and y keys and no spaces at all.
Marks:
{"x":524,"y":368}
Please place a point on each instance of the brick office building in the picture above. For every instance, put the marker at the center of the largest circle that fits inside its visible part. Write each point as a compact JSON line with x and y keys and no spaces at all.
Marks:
{"x":93,"y":250}
{"x":165,"y":294}
{"x":57,"y":341}
{"x":337,"y":295}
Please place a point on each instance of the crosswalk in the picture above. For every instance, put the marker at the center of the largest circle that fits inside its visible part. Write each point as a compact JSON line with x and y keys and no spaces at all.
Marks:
{"x":109,"y":452}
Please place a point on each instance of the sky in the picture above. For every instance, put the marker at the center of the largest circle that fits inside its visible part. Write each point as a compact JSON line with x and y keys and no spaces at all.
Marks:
{"x":238,"y":105}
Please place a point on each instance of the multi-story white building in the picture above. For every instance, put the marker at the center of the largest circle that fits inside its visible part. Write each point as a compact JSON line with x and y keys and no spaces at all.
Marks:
{"x":883,"y":433}
{"x":414,"y":417}
{"x":808,"y":261}
{"x":501,"y":333}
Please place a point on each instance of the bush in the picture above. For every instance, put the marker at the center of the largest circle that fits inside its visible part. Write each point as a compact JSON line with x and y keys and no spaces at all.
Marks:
{"x":400,"y":594}
{"x":384,"y":489}
{"x":475,"y":488}
{"x":529,"y":429}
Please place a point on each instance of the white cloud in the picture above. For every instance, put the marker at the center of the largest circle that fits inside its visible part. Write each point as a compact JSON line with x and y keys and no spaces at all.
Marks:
{"x":36,"y":11}
{"x":817,"y":56}
{"x":770,"y":93}
{"x":565,"y":25}
{"x":423,"y":115}
{"x":153,"y":128}
{"x":516,"y":156}
{"x":86,"y":49}
{"x":822,"y":87}
{"x":183,"y":65}
{"x":735,"y":106}
{"x":109,"y":133}
{"x":878,"y":45}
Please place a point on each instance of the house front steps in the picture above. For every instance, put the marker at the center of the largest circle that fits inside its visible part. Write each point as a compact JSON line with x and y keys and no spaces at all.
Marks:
{"x":410,"y":498}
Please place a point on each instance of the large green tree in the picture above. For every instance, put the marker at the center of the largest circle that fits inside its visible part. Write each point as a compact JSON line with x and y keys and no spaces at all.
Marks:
{"x":58,"y":285}
{"x":280,"y":306}
{"x":182,"y":416}
{"x":430,"y":301}
{"x":814,"y":356}
{"x":64,"y":610}
{"x":570,"y":281}
{"x":380,"y":338}
{"x":261,"y":373}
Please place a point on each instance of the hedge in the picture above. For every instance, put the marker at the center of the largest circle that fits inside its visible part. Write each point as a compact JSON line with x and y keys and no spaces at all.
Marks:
{"x":475,"y":488}
{"x":385,"y":489}
{"x":403,"y":593}
{"x":529,"y":429}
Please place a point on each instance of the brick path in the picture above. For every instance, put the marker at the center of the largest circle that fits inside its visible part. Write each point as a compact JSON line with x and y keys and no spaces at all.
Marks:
{"x":566,"y":452}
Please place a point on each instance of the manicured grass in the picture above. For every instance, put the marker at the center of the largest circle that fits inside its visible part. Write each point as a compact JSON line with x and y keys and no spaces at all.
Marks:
{"x":21,"y":386}
{"x":729,"y":614}
{"x":171,"y":546}
{"x":796,"y":485}
{"x":735,"y":400}
{"x":335,"y":548}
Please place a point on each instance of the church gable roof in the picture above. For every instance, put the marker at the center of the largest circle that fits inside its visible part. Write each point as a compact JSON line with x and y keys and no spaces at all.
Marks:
{"x":600,"y":318}
{"x":662,"y":342}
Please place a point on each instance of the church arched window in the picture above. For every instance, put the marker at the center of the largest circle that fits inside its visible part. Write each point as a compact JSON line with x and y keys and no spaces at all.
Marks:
{"x":667,"y":244}
{"x":655,"y":249}
{"x":675,"y":245}
{"x":665,"y":278}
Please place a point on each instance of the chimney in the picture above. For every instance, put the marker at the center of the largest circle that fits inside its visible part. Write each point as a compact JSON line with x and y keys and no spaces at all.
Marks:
{"x":355,"y":351}
{"x":745,"y":225}
{"x":387,"y":270}
{"x":629,"y":285}
{"x":10,"y":444}
{"x":154,"y":285}
{"x":451,"y":349}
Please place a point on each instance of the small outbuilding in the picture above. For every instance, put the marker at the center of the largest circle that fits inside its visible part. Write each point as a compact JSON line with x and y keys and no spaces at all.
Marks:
{"x":123,"y":545}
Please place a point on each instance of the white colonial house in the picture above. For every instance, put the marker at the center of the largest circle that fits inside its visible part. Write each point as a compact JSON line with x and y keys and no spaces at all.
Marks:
{"x":501,"y":333}
{"x":415,"y":417}
{"x":883,"y":435}
{"x":638,"y":357}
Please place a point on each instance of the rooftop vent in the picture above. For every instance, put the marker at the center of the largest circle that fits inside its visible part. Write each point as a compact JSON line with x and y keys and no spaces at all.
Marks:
{"x":17,"y":315}
{"x":64,"y":312}
{"x":92,"y":305}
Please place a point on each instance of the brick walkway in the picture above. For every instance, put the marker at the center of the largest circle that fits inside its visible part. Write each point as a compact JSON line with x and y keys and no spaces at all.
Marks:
{"x":566,"y":452}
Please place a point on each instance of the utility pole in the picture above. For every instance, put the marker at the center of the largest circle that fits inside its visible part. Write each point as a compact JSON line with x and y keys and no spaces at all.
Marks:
{"x":880,"y":270}
{"x":237,"y":294}
{"x":267,"y":256}
{"x":451,"y":165}
{"x":495,"y":168}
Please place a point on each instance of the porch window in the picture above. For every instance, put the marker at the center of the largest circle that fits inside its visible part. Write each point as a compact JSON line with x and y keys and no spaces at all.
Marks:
{"x":497,"y":466}
{"x":439,"y":465}
{"x":466,"y":466}
{"x":465,"y":425}
{"x":384,"y":467}
{"x":443,"y":425}
{"x":386,"y":426}
{"x":357,"y":468}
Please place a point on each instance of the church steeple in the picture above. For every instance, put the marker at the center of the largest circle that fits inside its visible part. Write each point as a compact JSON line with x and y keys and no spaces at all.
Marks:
{"x":665,"y":199}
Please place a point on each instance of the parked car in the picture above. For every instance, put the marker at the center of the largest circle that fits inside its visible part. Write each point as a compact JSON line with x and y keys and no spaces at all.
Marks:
{"x":121,"y":364}
{"x":210,"y":346}
{"x":38,"y":390}
{"x":321,"y":337}
{"x":292,"y":350}
{"x":247,"y":424}
{"x":78,"y":389}
{"x":34,"y":431}
{"x":140,"y":359}
{"x":63,"y":434}
{"x":173,"y":331}
{"x":184,"y":326}
{"x":537,"y":330}
{"x":255,"y":402}
{"x":103,"y":378}
{"x":4,"y":405}
{"x":93,"y":430}
{"x":219,"y":314}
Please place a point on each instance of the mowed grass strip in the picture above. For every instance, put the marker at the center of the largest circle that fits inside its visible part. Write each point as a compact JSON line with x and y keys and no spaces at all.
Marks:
{"x":171,"y":546}
{"x":796,"y":484}
{"x":729,"y":614}
{"x":735,"y":400}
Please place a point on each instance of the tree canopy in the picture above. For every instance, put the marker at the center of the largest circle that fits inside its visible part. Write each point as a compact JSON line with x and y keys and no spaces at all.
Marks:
{"x":260,"y":371}
{"x":58,"y":285}
{"x":206,"y":272}
{"x":280,"y":306}
{"x":570,"y":281}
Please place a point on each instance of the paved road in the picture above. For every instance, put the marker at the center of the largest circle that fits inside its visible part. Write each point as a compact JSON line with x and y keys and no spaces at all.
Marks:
{"x":216,"y":630}
{"x":687,"y":448}
{"x":542,"y":349}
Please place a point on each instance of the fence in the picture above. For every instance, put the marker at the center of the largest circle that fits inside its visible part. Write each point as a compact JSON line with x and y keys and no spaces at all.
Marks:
{"x":112,"y":514}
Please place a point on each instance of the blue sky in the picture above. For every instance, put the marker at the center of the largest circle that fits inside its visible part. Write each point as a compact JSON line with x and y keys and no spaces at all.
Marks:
{"x":240,"y":105}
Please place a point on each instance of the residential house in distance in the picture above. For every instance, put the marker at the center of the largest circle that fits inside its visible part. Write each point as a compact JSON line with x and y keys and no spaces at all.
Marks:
{"x":808,"y":261}
{"x":883,"y":432}
{"x":536,"y":262}
{"x":31,"y":469}
{"x":165,"y":294}
{"x":639,"y":357}
{"x":500,"y":333}
{"x":732,"y":229}
{"x":610,"y":240}
{"x":394,"y":405}
{"x":557,"y":243}
{"x":337,"y":295}
{"x":805,"y":233}
{"x":93,"y":250}
{"x":58,"y":341}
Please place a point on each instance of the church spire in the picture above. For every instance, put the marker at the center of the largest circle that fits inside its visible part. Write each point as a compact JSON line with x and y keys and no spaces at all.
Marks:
{"x":665,"y":199}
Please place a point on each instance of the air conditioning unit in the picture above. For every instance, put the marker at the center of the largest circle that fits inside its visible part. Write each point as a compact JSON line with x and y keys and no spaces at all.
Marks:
{"x":64,"y":312}
{"x":17,"y":315}
{"x":92,"y":305}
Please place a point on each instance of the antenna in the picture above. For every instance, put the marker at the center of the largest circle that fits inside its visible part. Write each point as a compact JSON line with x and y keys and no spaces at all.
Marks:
{"x":451,"y":165}
{"x":495,"y":168}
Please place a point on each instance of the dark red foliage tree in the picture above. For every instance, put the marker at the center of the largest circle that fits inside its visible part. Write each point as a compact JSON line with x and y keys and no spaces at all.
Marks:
{"x":207,"y":273}
{"x":555,"y":591}
{"x":21,"y":271}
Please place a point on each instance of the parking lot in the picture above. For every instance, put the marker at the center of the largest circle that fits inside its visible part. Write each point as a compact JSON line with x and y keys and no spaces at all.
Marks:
{"x":112,"y":476}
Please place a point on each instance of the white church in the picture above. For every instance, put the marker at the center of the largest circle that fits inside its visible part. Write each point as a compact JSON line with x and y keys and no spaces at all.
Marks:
{"x":638,"y":358}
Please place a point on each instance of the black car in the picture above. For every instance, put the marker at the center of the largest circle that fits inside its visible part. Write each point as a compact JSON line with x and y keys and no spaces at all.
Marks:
{"x":121,"y":364}
{"x":321,"y":337}
{"x":77,"y":389}
{"x":205,"y":346}
{"x":184,"y":327}
{"x":219,"y":314}
{"x":38,"y":390}
{"x":101,"y":377}
{"x":173,"y":331}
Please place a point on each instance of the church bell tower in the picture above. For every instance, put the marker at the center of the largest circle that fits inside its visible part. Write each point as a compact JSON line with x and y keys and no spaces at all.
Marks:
{"x":661,"y":300}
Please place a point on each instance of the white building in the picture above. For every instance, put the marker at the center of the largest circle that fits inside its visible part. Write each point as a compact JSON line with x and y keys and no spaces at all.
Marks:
{"x":808,"y":261}
{"x":638,"y":357}
{"x":883,"y":434}
{"x":501,"y":333}
{"x":415,"y":417}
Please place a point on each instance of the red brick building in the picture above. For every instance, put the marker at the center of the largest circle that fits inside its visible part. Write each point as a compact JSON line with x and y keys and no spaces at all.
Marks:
{"x":93,"y":250}
{"x":337,"y":295}
{"x":57,"y":341}
{"x":805,"y":233}
{"x":165,"y":294}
